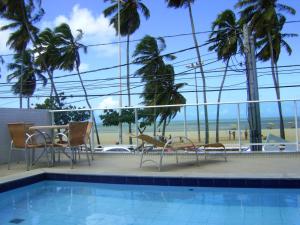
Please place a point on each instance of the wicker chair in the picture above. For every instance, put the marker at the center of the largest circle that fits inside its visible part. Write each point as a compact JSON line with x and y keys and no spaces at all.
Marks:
{"x":75,"y":138}
{"x":23,"y":139}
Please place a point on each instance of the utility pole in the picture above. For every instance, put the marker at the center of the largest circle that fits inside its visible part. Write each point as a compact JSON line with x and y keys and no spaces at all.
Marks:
{"x":120,"y":74}
{"x":252,"y":90}
{"x":195,"y":66}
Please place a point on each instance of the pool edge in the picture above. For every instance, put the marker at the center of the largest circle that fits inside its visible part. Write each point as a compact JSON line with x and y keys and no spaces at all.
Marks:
{"x":290,"y":183}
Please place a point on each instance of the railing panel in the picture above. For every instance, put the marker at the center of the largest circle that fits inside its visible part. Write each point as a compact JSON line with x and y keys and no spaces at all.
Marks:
{"x":233,"y":125}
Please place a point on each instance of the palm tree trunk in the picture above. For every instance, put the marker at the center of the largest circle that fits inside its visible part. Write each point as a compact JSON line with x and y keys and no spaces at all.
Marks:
{"x":155,"y":112}
{"x":34,"y":41}
{"x":51,"y":94}
{"x":202,"y":73}
{"x":21,"y":86}
{"x":88,"y":103}
{"x":219,"y":99}
{"x":276,"y":85}
{"x":128,"y":85}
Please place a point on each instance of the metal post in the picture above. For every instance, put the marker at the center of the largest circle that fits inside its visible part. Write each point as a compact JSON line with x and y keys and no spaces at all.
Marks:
{"x":185,"y":124}
{"x":92,"y":137}
{"x":52,"y":118}
{"x":296,"y":126}
{"x":120,"y":74}
{"x":28,"y":102}
{"x":195,"y":66}
{"x":136,"y":126}
{"x":239,"y":127}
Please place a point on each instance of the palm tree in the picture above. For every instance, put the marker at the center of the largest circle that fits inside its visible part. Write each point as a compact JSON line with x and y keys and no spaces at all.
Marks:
{"x":69,"y":56}
{"x":168,"y":95}
{"x":188,"y":4}
{"x":225,"y":41}
{"x":148,"y":54}
{"x":263,"y":17}
{"x":19,"y":39}
{"x":129,"y":23}
{"x":278,"y":42}
{"x":24,"y":69}
{"x":23,"y":14}
{"x":49,"y":54}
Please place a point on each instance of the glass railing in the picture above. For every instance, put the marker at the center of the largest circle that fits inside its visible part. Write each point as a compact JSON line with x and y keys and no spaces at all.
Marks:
{"x":228,"y":123}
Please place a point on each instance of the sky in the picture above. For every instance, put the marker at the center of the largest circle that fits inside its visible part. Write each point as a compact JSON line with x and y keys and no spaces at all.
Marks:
{"x":87,"y":16}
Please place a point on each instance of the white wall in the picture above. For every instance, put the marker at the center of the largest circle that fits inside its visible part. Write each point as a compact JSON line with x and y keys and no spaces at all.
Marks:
{"x":38,"y":117}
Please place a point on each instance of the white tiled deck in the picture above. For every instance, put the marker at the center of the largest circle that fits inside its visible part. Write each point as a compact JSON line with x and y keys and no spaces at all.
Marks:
{"x":238,"y":165}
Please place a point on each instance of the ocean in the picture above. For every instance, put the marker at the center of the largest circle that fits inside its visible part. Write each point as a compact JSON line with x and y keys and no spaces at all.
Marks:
{"x":225,"y":124}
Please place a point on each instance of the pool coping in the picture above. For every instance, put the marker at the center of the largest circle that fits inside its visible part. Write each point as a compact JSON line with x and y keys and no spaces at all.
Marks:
{"x":14,"y":182}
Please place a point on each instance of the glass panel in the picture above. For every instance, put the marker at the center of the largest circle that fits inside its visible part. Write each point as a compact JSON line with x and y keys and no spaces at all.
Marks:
{"x":244,"y":126}
{"x":109,"y":134}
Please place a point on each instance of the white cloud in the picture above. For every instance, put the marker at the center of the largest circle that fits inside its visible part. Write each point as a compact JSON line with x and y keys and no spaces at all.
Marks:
{"x":83,"y":67}
{"x":96,"y":29}
{"x":3,"y":39}
{"x":108,"y":102}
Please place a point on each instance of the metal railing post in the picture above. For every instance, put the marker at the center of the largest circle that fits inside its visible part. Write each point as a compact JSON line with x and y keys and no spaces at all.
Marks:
{"x":184,"y":123}
{"x":92,"y":132}
{"x":52,"y":118}
{"x":296,"y":126}
{"x":239,"y":127}
{"x":136,"y":126}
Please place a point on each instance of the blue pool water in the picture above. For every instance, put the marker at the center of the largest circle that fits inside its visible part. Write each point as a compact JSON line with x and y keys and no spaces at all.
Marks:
{"x":72,"y":203}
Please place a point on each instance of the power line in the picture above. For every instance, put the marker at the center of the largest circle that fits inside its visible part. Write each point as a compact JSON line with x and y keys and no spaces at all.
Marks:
{"x":139,"y":93}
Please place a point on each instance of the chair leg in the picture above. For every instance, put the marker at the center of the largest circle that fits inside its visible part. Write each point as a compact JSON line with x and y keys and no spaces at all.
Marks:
{"x":72,"y":158}
{"x":197,"y":157}
{"x":141,"y":162}
{"x":30,"y":158}
{"x":79,"y":151}
{"x":87,"y":155}
{"x":33,"y":157}
{"x":92,"y":152}
{"x":47,"y":155}
{"x":160,"y":162}
{"x":9,"y":159}
{"x":27,"y":159}
{"x":59,"y":155}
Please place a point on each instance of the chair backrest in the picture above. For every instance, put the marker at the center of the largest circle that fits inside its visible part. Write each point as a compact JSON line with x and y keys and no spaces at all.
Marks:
{"x":18,"y":133}
{"x":88,"y":130}
{"x":151,"y":140}
{"x":77,"y":133}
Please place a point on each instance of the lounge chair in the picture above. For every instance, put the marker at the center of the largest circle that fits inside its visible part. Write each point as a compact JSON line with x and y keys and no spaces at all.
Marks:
{"x":277,"y":144}
{"x":23,"y":139}
{"x":171,"y":145}
{"x":213,"y":149}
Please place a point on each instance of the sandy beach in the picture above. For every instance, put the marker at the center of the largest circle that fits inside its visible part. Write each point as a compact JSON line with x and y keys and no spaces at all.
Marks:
{"x":111,"y":138}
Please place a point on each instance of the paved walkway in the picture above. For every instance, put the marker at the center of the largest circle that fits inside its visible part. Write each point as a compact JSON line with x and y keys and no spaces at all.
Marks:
{"x":238,"y":165}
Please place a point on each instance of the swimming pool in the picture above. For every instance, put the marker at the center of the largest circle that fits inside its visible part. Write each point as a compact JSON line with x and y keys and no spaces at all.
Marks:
{"x":80,"y":203}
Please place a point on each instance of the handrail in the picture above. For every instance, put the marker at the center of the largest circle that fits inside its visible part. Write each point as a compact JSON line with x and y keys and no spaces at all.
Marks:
{"x":178,"y":105}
